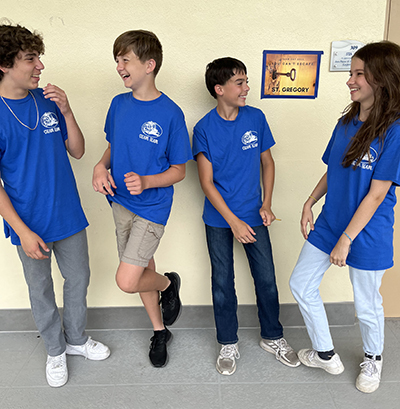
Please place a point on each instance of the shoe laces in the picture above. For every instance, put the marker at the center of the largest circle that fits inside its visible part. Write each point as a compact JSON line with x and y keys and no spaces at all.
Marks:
{"x":56,"y":362}
{"x":167,"y":297}
{"x":154,"y":341}
{"x":90,"y":343}
{"x":229,"y":351}
{"x":368,"y":367}
{"x":280,"y":346}
{"x":157,"y":340}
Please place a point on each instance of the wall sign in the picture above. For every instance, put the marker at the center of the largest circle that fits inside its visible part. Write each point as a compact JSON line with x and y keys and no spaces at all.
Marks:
{"x":290,"y":74}
{"x":341,"y":54}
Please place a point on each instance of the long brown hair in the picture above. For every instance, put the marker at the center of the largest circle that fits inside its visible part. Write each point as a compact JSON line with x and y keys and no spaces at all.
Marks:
{"x":382,"y":71}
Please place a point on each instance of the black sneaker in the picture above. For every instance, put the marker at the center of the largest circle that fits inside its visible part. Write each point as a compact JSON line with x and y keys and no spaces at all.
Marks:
{"x":171,"y":305}
{"x":158,"y":348}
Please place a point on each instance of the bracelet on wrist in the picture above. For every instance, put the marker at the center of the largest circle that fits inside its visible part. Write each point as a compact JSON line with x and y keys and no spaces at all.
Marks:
{"x":351,"y":241}
{"x":312,"y":197}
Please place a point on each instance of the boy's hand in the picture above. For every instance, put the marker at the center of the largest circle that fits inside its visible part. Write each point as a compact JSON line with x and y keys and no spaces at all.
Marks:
{"x":243,"y":232}
{"x":58,"y":96}
{"x":340,"y":252}
{"x":267,"y":215}
{"x":306,"y":218}
{"x":102,"y":181}
{"x":31,"y":244}
{"x":134,"y":183}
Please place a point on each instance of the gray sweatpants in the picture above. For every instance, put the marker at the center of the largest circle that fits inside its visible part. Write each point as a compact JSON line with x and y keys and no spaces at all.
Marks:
{"x":73,"y":261}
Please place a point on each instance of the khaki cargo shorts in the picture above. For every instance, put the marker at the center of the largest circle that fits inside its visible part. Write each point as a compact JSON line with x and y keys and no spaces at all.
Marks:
{"x":137,"y":238}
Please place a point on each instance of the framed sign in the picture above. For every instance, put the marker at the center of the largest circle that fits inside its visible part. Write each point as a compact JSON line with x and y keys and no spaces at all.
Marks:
{"x":341,"y":54}
{"x":290,"y":74}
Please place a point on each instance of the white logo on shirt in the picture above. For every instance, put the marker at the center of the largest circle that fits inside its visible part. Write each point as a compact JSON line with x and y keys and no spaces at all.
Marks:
{"x":249,"y":140}
{"x":49,"y":120}
{"x":368,"y":159}
{"x":151,"y":130}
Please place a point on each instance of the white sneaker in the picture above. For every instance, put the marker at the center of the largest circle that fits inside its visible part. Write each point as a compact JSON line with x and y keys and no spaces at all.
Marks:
{"x":93,"y":350}
{"x":282,"y":350}
{"x":309,"y":357}
{"x":226,"y":364}
{"x":56,"y":370}
{"x":370,"y":376}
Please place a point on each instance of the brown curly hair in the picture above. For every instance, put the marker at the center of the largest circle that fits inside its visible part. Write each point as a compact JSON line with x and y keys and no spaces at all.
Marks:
{"x":14,"y":39}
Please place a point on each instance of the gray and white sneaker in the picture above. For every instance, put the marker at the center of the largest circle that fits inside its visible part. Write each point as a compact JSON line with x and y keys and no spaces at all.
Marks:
{"x":370,"y":376}
{"x":226,"y":364}
{"x":56,"y":370}
{"x":309,"y":357}
{"x":282,"y":350}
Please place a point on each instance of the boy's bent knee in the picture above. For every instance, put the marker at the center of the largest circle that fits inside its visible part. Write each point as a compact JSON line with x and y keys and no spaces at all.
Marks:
{"x":128,"y":276}
{"x":125,"y":286}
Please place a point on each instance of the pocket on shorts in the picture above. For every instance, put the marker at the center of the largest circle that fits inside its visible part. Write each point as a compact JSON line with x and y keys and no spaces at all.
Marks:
{"x":151,"y":240}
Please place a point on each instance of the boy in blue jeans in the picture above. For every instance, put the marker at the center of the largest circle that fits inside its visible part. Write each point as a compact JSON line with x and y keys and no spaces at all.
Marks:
{"x":229,"y":144}
{"x":148,"y":147}
{"x":39,"y":202}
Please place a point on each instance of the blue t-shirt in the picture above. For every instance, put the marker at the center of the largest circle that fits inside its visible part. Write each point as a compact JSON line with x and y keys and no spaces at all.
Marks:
{"x":372,"y":249}
{"x":234,"y":149}
{"x":36,"y":171}
{"x":146,"y":137}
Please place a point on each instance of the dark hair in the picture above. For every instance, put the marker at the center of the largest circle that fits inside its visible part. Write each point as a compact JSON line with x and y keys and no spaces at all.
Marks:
{"x":144,"y":44}
{"x":219,"y":71}
{"x":14,"y":39}
{"x":382,"y":71}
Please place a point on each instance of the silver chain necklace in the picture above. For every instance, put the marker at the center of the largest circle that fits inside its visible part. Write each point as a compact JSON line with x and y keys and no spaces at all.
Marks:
{"x":15,"y":116}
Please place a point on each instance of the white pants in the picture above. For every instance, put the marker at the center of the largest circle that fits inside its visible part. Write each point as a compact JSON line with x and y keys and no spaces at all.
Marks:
{"x":304,"y":284}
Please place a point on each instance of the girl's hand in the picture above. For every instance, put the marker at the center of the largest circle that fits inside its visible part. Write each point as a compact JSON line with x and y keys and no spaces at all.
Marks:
{"x":340,"y":252}
{"x":307,"y":217}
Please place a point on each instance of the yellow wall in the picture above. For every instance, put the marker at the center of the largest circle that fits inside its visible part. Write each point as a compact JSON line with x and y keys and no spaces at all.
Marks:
{"x":79,"y":37}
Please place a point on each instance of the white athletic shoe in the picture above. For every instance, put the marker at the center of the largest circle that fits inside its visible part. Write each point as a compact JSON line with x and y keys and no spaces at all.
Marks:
{"x":309,"y":357}
{"x":282,"y":351}
{"x":226,"y":364}
{"x":56,"y":370}
{"x":93,"y":350}
{"x":370,"y":376}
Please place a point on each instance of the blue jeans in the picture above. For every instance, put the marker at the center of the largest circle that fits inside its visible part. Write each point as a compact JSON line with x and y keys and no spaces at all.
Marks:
{"x":259,"y":255}
{"x":304,"y":283}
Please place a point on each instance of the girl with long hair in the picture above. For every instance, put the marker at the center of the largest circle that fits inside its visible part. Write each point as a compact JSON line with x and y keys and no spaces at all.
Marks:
{"x":355,"y":226}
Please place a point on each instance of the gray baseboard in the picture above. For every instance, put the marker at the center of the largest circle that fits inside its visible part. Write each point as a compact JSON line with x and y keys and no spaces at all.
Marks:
{"x":193,"y":316}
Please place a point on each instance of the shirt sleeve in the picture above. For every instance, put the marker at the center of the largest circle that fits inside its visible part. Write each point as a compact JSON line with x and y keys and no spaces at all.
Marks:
{"x":388,"y":166}
{"x":267,"y":140}
{"x":109,"y":120}
{"x":200,"y":144}
{"x":325,"y":156}
{"x":178,"y":150}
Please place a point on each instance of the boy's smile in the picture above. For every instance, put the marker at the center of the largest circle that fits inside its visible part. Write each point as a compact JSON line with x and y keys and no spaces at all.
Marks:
{"x":132,"y":71}
{"x":234,"y":92}
{"x":24,"y":75}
